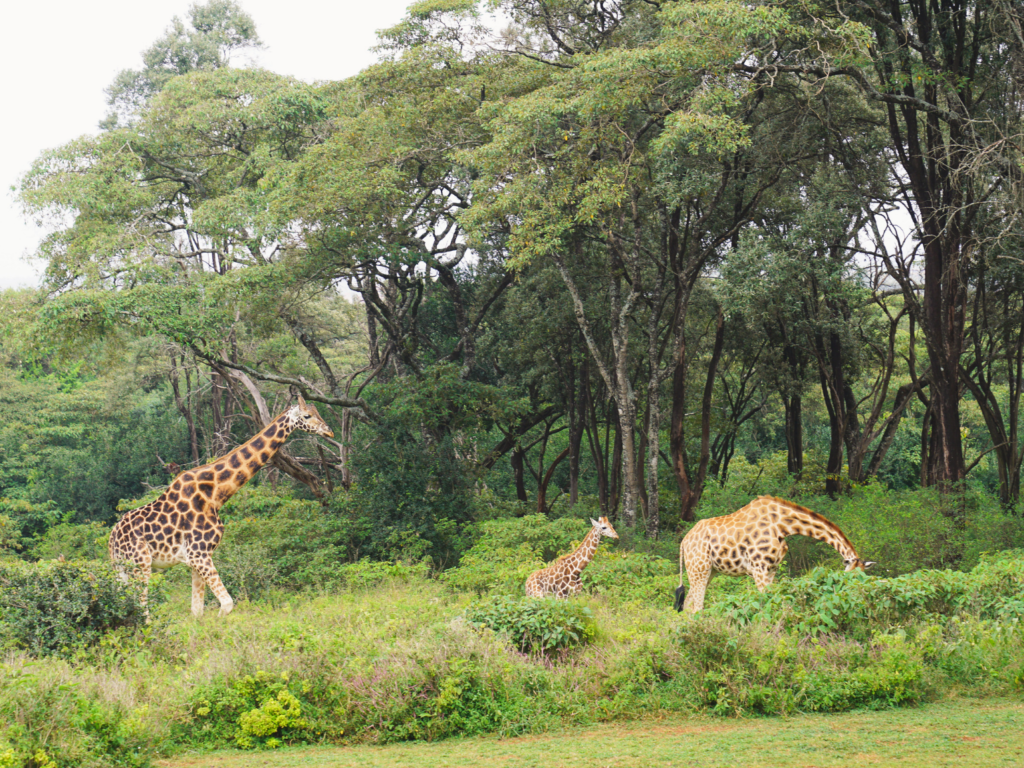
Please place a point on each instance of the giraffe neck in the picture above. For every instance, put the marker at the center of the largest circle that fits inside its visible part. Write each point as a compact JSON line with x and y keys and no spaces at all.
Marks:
{"x":584,"y":553}
{"x":799,"y":521}
{"x":233,"y":470}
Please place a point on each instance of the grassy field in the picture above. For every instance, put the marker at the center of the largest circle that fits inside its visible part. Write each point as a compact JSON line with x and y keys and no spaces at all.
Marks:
{"x":963,"y":733}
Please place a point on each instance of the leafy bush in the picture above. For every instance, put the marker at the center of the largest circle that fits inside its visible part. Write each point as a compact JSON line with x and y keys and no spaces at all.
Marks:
{"x":256,"y":710}
{"x":634,"y":576}
{"x":277,"y":541}
{"x":856,"y":604}
{"x":84,"y":541}
{"x":533,"y":624}
{"x":498,"y":570}
{"x":10,"y":536}
{"x":54,"y":608}
{"x":50,"y":720}
{"x":367,"y":573}
{"x":755,"y":670}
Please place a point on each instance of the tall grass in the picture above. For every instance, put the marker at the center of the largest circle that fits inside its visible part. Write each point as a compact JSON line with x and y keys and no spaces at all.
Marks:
{"x":399,"y":661}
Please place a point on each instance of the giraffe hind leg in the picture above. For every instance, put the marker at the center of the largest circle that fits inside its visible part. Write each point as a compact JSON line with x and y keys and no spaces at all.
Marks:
{"x":699,"y":578}
{"x":198,"y":593}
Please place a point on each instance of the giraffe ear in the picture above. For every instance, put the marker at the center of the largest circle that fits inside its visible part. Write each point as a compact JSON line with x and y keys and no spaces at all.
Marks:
{"x":869,"y":563}
{"x":302,"y":401}
{"x":594,"y":522}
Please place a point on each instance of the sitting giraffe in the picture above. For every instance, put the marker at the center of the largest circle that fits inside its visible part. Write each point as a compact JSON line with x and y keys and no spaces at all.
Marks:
{"x":182,"y":525}
{"x":562,"y":577}
{"x":752,"y":540}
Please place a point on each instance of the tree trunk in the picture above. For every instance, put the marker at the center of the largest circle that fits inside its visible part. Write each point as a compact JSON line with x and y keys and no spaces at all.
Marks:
{"x":542,"y":487}
{"x":185,"y":405}
{"x":691,"y":488}
{"x":794,"y":434}
{"x":516,"y":459}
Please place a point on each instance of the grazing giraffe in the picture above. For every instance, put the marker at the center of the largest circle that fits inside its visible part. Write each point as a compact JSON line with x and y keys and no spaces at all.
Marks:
{"x":182,"y":525}
{"x":752,"y":540}
{"x":562,"y":577}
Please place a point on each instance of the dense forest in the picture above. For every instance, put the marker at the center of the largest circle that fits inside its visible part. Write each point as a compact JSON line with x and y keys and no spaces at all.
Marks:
{"x":540,"y":252}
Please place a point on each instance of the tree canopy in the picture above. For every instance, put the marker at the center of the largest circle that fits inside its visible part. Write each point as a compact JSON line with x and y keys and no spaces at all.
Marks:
{"x":602,"y":248}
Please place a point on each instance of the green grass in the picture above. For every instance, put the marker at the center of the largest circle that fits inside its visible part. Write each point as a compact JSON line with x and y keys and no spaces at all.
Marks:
{"x":962,"y":733}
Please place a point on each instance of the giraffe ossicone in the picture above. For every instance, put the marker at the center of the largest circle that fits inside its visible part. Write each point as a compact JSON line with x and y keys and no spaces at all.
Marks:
{"x":182,"y":525}
{"x":752,"y":541}
{"x":562,"y":578}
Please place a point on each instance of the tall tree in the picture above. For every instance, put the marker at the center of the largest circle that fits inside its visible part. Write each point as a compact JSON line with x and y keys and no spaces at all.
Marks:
{"x":217,"y":30}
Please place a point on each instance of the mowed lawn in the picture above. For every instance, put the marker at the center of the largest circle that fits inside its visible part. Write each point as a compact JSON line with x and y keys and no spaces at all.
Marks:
{"x":962,"y":733}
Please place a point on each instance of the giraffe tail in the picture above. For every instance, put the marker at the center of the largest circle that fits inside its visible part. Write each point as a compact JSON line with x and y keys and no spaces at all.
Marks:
{"x":680,"y":596}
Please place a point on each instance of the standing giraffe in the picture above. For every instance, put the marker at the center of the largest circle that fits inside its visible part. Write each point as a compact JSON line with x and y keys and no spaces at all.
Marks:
{"x":562,"y":577}
{"x":182,"y":525}
{"x":752,"y":540}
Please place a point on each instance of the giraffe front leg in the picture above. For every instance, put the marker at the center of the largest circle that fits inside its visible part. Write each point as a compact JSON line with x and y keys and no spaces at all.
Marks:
{"x":207,"y":571}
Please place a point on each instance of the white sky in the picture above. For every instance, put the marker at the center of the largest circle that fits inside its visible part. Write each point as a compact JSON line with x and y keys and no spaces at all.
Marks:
{"x":59,"y":56}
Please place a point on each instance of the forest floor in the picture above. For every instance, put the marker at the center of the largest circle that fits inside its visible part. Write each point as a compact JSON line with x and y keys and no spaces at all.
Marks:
{"x":965,"y":733}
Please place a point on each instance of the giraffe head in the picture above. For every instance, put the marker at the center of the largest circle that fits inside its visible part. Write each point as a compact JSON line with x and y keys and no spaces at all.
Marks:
{"x":306,"y":418}
{"x":604,"y":527}
{"x":856,"y":564}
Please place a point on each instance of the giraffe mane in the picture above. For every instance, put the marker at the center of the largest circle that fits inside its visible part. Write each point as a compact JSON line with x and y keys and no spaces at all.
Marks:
{"x":814,"y":516}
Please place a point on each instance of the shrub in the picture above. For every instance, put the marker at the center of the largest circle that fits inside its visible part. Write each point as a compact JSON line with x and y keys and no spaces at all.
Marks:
{"x":856,"y":604}
{"x":533,"y":624}
{"x":755,"y":670}
{"x":274,"y":541}
{"x":257,"y":710}
{"x":498,"y":570}
{"x":84,"y":541}
{"x":633,"y":576}
{"x":10,"y":536}
{"x":50,"y":720}
{"x":54,"y":608}
{"x":367,"y":573}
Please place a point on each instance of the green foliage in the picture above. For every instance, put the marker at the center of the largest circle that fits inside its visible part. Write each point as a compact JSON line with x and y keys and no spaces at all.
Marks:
{"x":413,"y":484}
{"x":257,"y":710}
{"x":218,"y":28}
{"x":404,"y":661}
{"x":536,"y":625}
{"x":273,"y":540}
{"x":271,"y":724}
{"x":84,"y":541}
{"x":49,"y":720}
{"x":630,"y":576}
{"x":856,"y":605}
{"x":732,"y":672}
{"x":56,"y":608}
{"x":10,"y":536}
{"x":79,"y":451}
{"x":498,"y":570}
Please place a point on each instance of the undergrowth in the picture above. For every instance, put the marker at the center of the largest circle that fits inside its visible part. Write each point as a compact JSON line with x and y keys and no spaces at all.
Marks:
{"x":408,"y":658}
